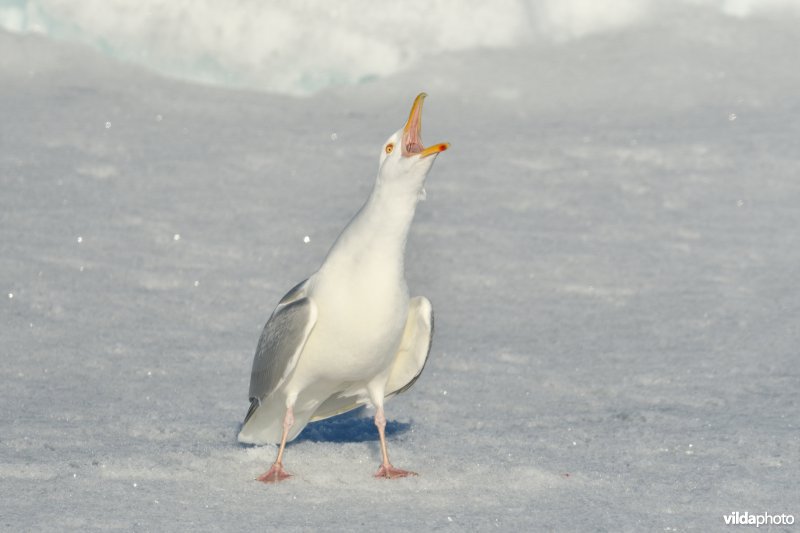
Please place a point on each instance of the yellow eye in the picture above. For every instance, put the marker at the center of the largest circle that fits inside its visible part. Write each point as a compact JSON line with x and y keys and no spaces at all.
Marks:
{"x":389,"y":148}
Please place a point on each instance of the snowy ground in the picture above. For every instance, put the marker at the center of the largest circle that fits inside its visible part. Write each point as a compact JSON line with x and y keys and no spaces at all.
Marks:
{"x":612,"y":248}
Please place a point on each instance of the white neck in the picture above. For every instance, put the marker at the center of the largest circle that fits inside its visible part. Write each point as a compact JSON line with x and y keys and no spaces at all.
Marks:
{"x":378,"y":232}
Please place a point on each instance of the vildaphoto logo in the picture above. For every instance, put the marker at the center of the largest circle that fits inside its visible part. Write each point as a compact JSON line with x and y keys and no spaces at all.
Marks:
{"x":765,"y":519}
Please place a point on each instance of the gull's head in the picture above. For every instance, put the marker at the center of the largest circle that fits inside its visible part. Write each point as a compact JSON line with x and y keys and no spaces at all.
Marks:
{"x":403,"y":156}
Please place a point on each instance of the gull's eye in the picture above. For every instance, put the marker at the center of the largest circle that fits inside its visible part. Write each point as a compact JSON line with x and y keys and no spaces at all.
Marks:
{"x":389,"y":148}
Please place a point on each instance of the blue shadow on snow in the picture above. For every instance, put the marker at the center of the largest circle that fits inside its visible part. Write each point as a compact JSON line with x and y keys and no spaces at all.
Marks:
{"x":349,"y":427}
{"x":346,"y":427}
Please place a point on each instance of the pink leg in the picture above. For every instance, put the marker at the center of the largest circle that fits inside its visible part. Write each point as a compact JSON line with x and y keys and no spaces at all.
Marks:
{"x":277,"y":473}
{"x":387,"y":470}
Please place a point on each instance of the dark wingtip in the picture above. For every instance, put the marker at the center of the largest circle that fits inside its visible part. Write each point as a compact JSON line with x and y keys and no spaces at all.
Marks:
{"x":255,"y":403}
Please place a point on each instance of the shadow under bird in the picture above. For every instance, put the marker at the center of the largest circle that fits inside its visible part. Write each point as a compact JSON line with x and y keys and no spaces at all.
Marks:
{"x":350,"y":334}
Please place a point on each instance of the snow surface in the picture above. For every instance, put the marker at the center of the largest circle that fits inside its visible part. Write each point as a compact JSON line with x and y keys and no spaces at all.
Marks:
{"x":611,"y":246}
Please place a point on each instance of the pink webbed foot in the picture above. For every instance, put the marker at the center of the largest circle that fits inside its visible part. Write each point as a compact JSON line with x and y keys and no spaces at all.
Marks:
{"x":274,"y":474}
{"x":389,"y":472}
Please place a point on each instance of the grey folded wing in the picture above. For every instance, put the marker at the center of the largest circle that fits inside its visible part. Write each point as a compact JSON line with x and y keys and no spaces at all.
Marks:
{"x":414,"y":349}
{"x":281,"y":343}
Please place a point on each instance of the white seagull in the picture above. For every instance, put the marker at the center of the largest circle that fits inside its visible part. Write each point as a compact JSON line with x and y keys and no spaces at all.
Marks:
{"x":349,"y":335}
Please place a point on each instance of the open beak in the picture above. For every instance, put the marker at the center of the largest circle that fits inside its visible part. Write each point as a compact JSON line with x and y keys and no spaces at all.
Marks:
{"x":412,"y":142}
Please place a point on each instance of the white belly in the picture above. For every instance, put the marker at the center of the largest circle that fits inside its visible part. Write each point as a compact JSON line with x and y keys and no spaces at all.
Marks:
{"x":359,"y":326}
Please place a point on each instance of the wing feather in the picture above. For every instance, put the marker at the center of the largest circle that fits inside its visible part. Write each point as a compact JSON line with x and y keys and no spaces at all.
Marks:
{"x":281,"y":342}
{"x":414,"y":348}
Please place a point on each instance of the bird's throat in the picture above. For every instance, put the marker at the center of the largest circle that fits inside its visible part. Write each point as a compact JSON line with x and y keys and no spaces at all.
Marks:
{"x":377,"y":234}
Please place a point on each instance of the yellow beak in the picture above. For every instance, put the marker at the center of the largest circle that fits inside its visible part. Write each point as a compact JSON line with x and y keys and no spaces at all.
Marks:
{"x":412,"y":141}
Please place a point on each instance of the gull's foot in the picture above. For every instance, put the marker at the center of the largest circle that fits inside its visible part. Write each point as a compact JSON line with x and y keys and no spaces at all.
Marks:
{"x":274,"y":474}
{"x":389,"y":472}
